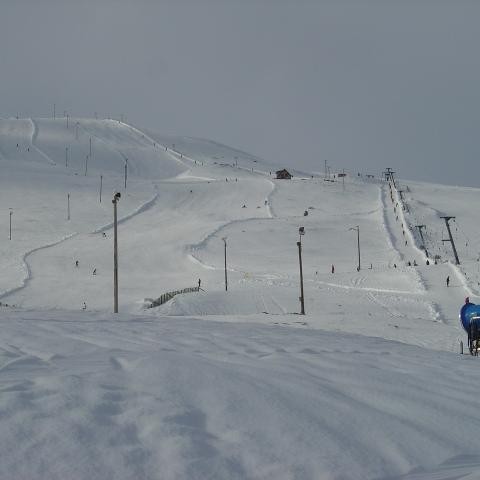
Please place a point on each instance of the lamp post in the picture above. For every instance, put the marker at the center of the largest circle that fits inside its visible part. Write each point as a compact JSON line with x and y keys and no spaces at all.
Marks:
{"x":10,"y":234}
{"x":301,"y":232}
{"x":115,"y":200}
{"x":357,"y":228}
{"x":225,"y":257}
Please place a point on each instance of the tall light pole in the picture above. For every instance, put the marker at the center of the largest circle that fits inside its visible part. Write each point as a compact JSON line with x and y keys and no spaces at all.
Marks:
{"x":126,"y":167}
{"x":357,"y":228}
{"x":11,"y":213}
{"x":225,"y":257}
{"x":116,"y":198}
{"x":301,"y":232}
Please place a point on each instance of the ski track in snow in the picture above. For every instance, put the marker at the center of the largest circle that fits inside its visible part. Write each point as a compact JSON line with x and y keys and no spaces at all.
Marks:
{"x":26,"y":267}
{"x":200,"y":245}
{"x":33,"y":140}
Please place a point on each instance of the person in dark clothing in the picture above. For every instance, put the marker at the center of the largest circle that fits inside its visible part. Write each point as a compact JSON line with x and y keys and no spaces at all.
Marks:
{"x":448,"y":281}
{"x":94,"y":271}
{"x":76,"y":263}
{"x":333,"y":268}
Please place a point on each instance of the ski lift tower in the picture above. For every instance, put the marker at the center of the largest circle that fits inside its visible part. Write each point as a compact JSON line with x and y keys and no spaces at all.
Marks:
{"x":450,"y":239}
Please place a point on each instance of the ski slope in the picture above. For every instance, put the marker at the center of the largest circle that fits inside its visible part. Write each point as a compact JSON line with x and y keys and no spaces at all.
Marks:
{"x":216,"y":384}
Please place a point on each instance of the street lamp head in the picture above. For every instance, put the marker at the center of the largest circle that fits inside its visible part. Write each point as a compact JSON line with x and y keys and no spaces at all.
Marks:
{"x":116,"y":197}
{"x":301,"y":230}
{"x":224,"y":240}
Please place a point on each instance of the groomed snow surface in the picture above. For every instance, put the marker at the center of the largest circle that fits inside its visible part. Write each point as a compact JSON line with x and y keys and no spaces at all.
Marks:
{"x":369,"y":384}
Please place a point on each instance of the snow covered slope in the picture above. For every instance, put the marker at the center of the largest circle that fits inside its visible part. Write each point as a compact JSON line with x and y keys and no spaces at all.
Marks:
{"x":241,"y":386}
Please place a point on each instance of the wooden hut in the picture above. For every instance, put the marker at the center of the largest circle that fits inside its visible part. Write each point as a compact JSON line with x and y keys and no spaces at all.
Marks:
{"x":283,"y":174}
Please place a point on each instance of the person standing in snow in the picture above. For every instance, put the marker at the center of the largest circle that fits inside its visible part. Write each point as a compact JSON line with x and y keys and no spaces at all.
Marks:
{"x":94,"y":271}
{"x":333,"y":268}
{"x":76,"y":263}
{"x":199,"y":283}
{"x":448,"y":281}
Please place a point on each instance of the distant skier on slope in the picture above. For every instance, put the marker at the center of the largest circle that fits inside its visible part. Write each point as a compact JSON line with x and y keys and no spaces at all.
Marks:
{"x":333,"y":268}
{"x":448,"y":281}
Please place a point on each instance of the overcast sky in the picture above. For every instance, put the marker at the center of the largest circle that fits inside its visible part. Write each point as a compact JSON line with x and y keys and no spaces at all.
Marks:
{"x":362,"y":84}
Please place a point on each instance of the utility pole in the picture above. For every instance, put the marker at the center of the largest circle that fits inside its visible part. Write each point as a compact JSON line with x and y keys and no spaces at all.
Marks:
{"x":225,"y":257}
{"x":90,"y":152}
{"x":116,"y":198}
{"x":325,"y":169}
{"x":86,"y":164}
{"x":301,"y":231}
{"x":66,"y":157}
{"x":11,"y":213}
{"x":447,"y":219}
{"x":67,"y":121}
{"x":101,"y":184}
{"x":76,"y":130}
{"x":357,"y":228}
{"x":68,"y":206}
{"x":421,"y":236}
{"x":126,"y":166}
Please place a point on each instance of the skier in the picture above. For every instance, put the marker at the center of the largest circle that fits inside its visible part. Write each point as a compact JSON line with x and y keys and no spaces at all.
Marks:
{"x":428,"y":262}
{"x":415,"y":263}
{"x":333,"y":268}
{"x":84,"y":307}
{"x":76,"y":263}
{"x":199,"y":283}
{"x":448,"y":281}
{"x":104,"y":235}
{"x":94,"y":271}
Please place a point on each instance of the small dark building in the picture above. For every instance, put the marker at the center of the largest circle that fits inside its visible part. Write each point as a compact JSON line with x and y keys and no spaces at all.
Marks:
{"x":283,"y":174}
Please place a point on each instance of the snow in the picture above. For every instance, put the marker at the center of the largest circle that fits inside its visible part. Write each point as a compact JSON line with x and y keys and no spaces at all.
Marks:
{"x":226,"y":384}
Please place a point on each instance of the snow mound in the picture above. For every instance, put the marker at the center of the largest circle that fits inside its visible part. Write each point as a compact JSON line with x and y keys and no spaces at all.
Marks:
{"x":245,"y":302}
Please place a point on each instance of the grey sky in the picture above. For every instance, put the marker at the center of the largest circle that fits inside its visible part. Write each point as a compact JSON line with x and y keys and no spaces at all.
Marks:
{"x":362,"y":84}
